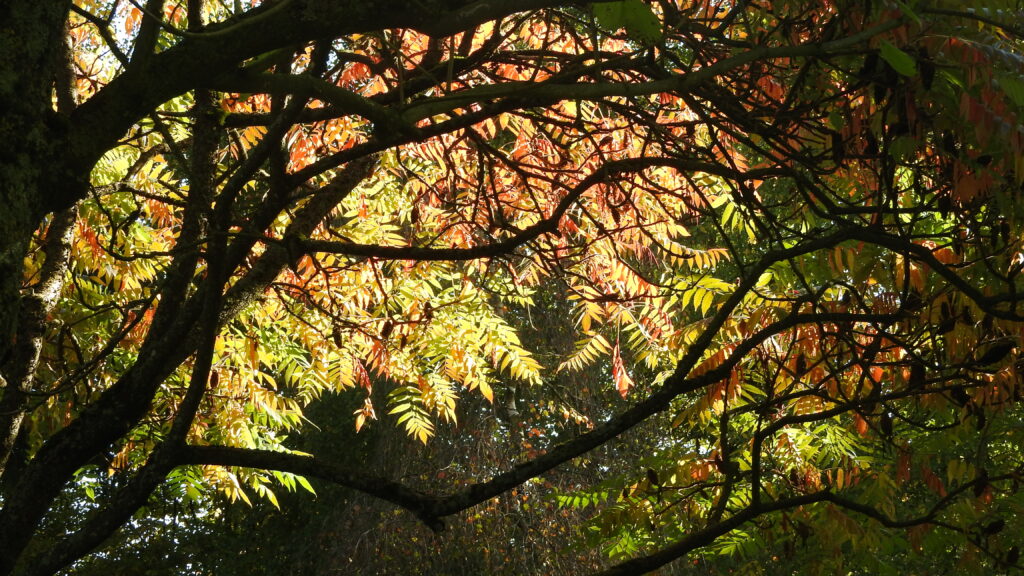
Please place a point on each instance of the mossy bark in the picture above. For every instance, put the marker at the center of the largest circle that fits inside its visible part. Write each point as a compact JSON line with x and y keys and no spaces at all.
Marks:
{"x":30,"y":36}
{"x":31,"y":133}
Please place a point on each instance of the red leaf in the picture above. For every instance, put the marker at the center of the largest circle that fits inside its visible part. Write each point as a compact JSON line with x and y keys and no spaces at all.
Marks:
{"x":619,"y":374}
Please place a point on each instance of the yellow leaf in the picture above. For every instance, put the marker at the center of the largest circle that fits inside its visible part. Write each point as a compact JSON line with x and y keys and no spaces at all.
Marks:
{"x":485,"y":389}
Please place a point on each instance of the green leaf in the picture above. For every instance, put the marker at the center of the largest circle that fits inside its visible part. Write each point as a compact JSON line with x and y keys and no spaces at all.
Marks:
{"x":640,"y":22}
{"x":1013,"y":88}
{"x":836,"y":120}
{"x":903,"y":147}
{"x":908,"y":12}
{"x":305,"y":485}
{"x":899,"y":60}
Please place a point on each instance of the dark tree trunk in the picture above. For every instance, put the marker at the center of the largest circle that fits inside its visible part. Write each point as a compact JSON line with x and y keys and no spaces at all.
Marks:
{"x":31,"y":34}
{"x":31,"y":175}
{"x":48,"y":148}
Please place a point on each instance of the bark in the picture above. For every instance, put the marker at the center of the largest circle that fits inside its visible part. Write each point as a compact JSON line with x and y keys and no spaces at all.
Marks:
{"x":201,"y":59}
{"x":45,"y":161}
{"x":31,"y":36}
{"x":36,"y":304}
{"x":127,"y":401}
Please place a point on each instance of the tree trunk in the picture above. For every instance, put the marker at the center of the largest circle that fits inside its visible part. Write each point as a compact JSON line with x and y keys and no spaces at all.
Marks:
{"x":31,"y":175}
{"x":31,"y":34}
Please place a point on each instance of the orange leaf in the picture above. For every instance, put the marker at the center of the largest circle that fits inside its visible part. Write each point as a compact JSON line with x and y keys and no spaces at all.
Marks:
{"x":619,"y":374}
{"x":861,"y":424}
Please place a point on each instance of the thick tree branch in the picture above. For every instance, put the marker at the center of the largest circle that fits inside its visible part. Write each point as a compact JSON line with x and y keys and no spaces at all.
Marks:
{"x":36,"y":306}
{"x":607,"y":172}
{"x":118,"y":509}
{"x":122,"y":405}
{"x":554,"y":91}
{"x":706,"y":536}
{"x":342,"y":101}
{"x":199,"y":59}
{"x":432,"y":508}
{"x":149,"y":31}
{"x":419,"y":503}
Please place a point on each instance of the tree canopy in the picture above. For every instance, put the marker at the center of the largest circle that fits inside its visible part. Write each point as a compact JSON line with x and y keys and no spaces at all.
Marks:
{"x":714,"y":281}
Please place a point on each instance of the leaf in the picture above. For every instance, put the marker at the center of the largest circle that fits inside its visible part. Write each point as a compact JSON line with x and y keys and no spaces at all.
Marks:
{"x":899,"y":60}
{"x":587,"y":351}
{"x":639,"y":21}
{"x":486,"y":390}
{"x":908,"y":12}
{"x":305,"y":484}
{"x":1014,"y":88}
{"x":619,"y":374}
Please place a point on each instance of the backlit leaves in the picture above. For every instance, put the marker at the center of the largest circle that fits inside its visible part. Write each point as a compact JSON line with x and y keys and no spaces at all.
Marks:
{"x":636,"y":17}
{"x":899,"y":60}
{"x":787,"y":235}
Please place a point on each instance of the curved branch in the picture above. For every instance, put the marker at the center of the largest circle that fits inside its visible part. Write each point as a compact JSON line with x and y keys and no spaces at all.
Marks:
{"x":545,"y":226}
{"x":421,"y":504}
{"x":343,"y":102}
{"x":431,"y":508}
{"x":553,"y":91}
{"x":972,"y":14}
{"x":122,"y":405}
{"x":706,"y":536}
{"x":924,"y":254}
{"x":203,"y":57}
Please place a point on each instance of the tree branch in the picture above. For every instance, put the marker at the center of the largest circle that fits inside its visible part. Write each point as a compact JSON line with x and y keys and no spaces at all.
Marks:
{"x":342,"y":101}
{"x":122,"y":405}
{"x":431,"y":508}
{"x":547,"y":225}
{"x":201,"y":58}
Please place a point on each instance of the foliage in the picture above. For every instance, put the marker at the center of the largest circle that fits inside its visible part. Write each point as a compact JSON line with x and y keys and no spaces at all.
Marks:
{"x":729,"y":282}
